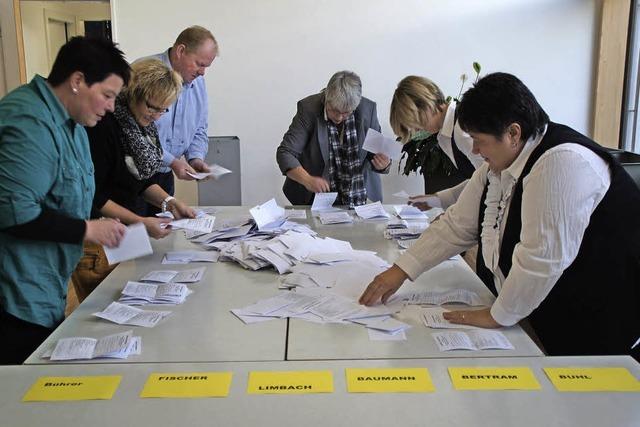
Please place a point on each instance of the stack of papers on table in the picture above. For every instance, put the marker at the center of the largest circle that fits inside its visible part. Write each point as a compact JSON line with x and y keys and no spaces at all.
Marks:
{"x":137,"y":293}
{"x":409,"y":212}
{"x":460,"y":296}
{"x":200,"y":225}
{"x":268,"y":215}
{"x":481,"y":339}
{"x":371,"y":211}
{"x":125,"y":315}
{"x":118,"y":346}
{"x":318,"y":306}
{"x":185,"y":257}
{"x":295,"y":214}
{"x":335,"y":217}
{"x":165,"y":276}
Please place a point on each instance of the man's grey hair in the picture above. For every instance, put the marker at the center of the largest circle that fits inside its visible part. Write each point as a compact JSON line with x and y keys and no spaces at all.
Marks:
{"x":344,"y":91}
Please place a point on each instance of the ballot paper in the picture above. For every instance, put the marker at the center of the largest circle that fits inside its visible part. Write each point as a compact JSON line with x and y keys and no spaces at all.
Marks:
{"x":324,"y":201}
{"x":123,"y":314}
{"x":371,"y":211}
{"x":137,"y":293}
{"x":401,"y":195}
{"x":164,"y":276}
{"x":409,"y":212}
{"x":432,"y":317}
{"x":376,"y":335}
{"x":268,"y":214}
{"x":185,"y":257}
{"x":339,"y":217}
{"x":433,"y":201}
{"x":199,"y":225}
{"x":382,"y":323}
{"x":216,"y":171}
{"x":296,"y":214}
{"x":473,"y":340}
{"x":462,"y":296}
{"x":375,"y":142}
{"x":134,"y":244}
{"x":118,"y":346}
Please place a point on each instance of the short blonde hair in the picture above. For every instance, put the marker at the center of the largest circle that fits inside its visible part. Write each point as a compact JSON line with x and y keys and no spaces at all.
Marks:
{"x":413,"y":97}
{"x":151,"y":79}
{"x":193,"y":37}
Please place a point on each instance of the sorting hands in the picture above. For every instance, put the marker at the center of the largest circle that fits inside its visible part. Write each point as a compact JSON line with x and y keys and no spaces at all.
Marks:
{"x":380,"y":161}
{"x":317,"y":184}
{"x":480,"y":318}
{"x":420,"y":202}
{"x":180,"y":167}
{"x":106,"y":231}
{"x":383,"y":286}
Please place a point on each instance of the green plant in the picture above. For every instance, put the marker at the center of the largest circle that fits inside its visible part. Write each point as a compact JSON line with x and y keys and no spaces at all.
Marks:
{"x":422,"y":154}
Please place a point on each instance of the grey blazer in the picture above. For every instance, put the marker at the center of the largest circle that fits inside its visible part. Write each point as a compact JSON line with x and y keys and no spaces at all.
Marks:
{"x":306,"y":144}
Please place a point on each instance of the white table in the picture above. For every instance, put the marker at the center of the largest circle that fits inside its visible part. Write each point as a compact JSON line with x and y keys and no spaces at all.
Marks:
{"x":443,"y":407}
{"x":310,"y":341}
{"x":200,"y":329}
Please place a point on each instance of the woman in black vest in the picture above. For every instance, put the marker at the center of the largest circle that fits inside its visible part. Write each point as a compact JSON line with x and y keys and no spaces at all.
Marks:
{"x":558,"y":224}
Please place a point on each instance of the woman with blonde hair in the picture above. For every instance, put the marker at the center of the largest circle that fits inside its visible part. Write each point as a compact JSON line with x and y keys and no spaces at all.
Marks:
{"x":126,"y":153}
{"x":419,"y":105}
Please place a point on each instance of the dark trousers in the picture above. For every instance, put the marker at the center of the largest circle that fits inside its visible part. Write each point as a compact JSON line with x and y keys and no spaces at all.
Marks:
{"x":19,"y":338}
{"x":165,"y":181}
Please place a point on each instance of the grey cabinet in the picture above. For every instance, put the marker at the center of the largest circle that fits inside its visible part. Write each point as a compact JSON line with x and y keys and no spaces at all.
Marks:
{"x":225,"y":191}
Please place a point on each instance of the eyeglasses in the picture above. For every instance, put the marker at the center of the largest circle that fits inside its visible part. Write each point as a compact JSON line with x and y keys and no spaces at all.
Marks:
{"x":155,"y":110}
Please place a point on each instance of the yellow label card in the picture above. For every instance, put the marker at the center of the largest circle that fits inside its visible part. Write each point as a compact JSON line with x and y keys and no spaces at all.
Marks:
{"x":393,"y":380}
{"x":187,"y":384}
{"x":498,"y":378}
{"x":291,"y":382}
{"x":592,"y":379}
{"x":49,"y":389}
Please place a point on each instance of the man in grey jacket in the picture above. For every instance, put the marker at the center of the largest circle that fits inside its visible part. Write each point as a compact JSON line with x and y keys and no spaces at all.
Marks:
{"x":322,"y":150}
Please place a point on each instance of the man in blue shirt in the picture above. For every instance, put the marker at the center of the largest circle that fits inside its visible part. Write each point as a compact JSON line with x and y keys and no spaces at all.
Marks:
{"x":183,"y":129}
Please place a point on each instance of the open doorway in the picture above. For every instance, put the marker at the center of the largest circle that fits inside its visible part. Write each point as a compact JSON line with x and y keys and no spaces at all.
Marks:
{"x":47,"y":25}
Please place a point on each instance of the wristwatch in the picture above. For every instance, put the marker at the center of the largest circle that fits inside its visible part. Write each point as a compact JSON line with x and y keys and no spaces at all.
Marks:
{"x":165,"y":203}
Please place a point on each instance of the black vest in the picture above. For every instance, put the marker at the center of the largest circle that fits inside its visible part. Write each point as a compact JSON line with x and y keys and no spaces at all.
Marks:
{"x":594,"y":307}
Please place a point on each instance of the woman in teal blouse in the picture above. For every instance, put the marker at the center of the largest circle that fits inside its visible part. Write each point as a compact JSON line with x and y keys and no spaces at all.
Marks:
{"x":46,"y":188}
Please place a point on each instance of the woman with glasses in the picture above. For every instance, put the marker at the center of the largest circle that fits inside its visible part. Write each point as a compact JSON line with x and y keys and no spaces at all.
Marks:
{"x":126,"y":153}
{"x":419,"y":105}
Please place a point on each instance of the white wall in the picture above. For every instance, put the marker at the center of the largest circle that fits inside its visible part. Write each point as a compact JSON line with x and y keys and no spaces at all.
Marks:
{"x":33,"y":27}
{"x":276,"y":52}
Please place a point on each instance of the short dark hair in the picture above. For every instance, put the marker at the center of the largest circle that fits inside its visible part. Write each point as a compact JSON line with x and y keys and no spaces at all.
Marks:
{"x":496,"y":101}
{"x":96,"y":58}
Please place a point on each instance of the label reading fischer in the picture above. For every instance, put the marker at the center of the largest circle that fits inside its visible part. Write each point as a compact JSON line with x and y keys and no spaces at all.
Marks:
{"x":187,"y":384}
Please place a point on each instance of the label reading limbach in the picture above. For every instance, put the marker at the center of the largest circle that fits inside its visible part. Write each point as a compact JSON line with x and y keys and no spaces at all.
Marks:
{"x":592,"y":379}
{"x":50,"y":389}
{"x":392,"y":380}
{"x":498,"y":378}
{"x":290,"y":382}
{"x":187,"y":384}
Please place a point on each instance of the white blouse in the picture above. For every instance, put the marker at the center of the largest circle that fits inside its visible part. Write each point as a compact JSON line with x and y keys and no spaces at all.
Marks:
{"x":560,"y":193}
{"x":464,"y":142}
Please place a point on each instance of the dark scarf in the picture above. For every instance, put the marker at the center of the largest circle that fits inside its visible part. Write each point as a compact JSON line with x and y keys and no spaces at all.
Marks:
{"x":345,"y":167}
{"x":143,"y":153}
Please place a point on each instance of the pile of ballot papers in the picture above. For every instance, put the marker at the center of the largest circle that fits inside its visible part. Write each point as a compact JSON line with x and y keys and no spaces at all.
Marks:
{"x":123,"y":314}
{"x":138,"y":293}
{"x":403,"y":230}
{"x":165,"y":276}
{"x":118,"y":346}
